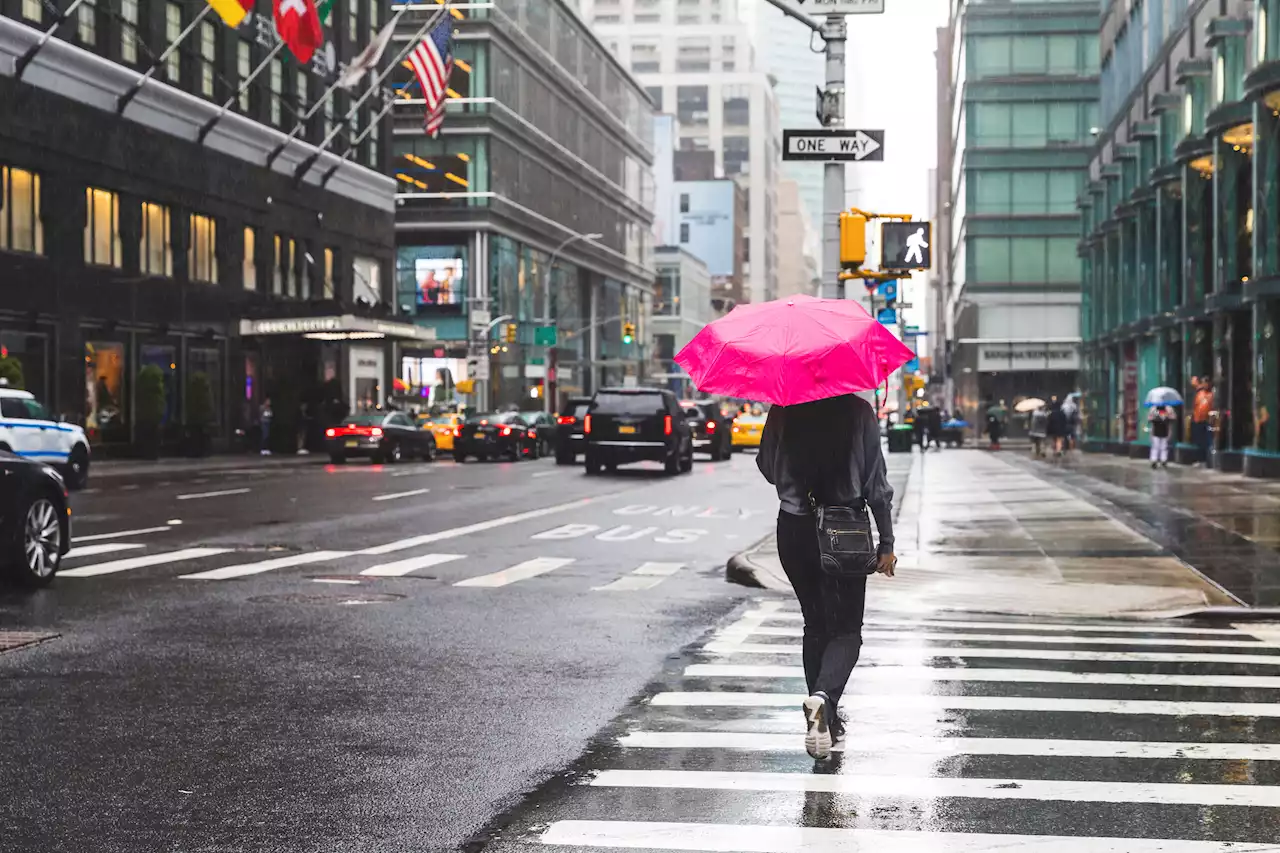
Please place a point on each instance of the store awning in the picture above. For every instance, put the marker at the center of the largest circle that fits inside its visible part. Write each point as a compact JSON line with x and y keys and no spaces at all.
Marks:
{"x":341,"y":327}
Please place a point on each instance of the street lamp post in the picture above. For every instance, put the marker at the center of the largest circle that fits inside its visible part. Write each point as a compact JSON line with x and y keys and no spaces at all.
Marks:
{"x":550,"y":381}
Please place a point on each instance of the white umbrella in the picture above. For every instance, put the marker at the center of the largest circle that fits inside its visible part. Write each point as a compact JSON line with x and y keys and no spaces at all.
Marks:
{"x":1163,"y":396}
{"x":1028,"y":405}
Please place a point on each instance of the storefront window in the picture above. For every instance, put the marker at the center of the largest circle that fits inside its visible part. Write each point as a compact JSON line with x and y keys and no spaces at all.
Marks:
{"x":504,"y":266}
{"x":102,"y":228}
{"x":249,"y":261}
{"x":21,"y":229}
{"x":367,"y":284}
{"x":164,"y":357}
{"x":104,"y":391}
{"x":27,"y":355}
{"x":429,"y":278}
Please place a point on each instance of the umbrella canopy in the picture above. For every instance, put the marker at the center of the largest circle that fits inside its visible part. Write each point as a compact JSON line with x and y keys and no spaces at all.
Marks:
{"x":996,"y":411}
{"x":1028,"y":405}
{"x":793,"y":350}
{"x":1163,"y":396}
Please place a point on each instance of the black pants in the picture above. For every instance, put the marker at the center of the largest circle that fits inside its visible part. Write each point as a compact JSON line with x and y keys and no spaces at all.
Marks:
{"x":832,"y":607}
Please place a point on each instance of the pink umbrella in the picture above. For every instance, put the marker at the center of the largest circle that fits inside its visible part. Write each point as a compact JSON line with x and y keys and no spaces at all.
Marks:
{"x":793,"y":351}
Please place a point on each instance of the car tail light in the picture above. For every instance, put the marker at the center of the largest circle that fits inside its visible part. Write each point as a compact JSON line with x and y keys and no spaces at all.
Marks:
{"x":533,"y":433}
{"x":330,"y":432}
{"x":735,"y":427}
{"x":666,"y":425}
{"x":568,"y":419}
{"x":506,"y":430}
{"x":375,"y":431}
{"x":457,"y":431}
{"x":586,"y":424}
{"x":711,"y":426}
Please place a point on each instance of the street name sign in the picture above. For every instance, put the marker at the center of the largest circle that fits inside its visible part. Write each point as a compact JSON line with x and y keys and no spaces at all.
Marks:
{"x":843,"y":7}
{"x":887,"y":316}
{"x":833,"y":145}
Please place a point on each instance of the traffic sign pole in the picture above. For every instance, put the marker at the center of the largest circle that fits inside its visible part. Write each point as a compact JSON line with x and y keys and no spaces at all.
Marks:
{"x":834,"y":33}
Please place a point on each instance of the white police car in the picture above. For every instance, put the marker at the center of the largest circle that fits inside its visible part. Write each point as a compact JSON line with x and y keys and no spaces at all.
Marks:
{"x":27,"y":430}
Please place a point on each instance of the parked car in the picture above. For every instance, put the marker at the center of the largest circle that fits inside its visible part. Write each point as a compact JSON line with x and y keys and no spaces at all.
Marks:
{"x":441,"y":426}
{"x":748,"y":430}
{"x":545,"y":426}
{"x":569,"y":438}
{"x":29,"y":431}
{"x":35,"y":521}
{"x":712,"y":431}
{"x":637,"y":424}
{"x":495,"y":434}
{"x":381,"y":436}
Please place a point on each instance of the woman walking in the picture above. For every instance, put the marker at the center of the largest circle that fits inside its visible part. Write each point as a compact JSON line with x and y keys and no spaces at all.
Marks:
{"x":1160,"y":423}
{"x":827,"y":454}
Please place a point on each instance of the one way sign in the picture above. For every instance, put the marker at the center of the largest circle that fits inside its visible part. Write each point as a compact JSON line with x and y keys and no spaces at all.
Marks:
{"x":833,"y":145}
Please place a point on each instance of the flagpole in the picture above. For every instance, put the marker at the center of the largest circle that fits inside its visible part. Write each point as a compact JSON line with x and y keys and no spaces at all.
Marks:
{"x":208,"y":125}
{"x":20,"y":64}
{"x":302,"y":122}
{"x":306,"y":164}
{"x":160,"y":60}
{"x":355,"y":142}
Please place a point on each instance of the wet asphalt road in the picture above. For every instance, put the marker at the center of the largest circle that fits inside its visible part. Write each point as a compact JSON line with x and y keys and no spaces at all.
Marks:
{"x":212,"y":689}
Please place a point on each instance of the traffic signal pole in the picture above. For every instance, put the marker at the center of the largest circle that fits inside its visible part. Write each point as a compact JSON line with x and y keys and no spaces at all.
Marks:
{"x":834,"y":32}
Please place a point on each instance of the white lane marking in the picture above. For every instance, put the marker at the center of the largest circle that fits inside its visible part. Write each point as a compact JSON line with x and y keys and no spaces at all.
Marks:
{"x":997,"y":674}
{"x":415,"y":541}
{"x":404,"y":567}
{"x":415,"y":473}
{"x":549,"y":474}
{"x":876,"y":743}
{"x":104,"y":548}
{"x":344,"y":581}
{"x":218,"y":494}
{"x":1022,"y":638}
{"x":518,"y":572}
{"x":976,"y":703}
{"x":119,"y":534}
{"x":395,"y":495}
{"x":746,"y":838}
{"x":257,"y":568}
{"x":934,"y":787}
{"x":910,"y":624}
{"x":125,"y":565}
{"x":917,"y":654}
{"x":647,"y":576}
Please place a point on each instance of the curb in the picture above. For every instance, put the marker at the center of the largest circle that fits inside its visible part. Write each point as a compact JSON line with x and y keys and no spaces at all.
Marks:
{"x":744,"y":571}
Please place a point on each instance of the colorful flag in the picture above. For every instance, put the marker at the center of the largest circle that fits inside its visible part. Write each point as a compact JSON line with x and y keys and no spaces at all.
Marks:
{"x":432,"y":62}
{"x":299,"y":27}
{"x":368,"y":58}
{"x":232,"y":12}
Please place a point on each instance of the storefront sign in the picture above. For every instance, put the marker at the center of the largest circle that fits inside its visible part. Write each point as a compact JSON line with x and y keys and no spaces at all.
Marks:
{"x":338,"y":327}
{"x":296,"y":326}
{"x":1027,"y":356}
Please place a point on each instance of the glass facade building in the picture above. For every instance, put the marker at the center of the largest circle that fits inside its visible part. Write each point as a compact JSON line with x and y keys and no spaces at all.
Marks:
{"x":1182,"y":280}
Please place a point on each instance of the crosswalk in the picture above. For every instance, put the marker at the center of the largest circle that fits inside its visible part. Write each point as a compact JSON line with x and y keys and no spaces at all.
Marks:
{"x":964,"y":736}
{"x":106,"y":558}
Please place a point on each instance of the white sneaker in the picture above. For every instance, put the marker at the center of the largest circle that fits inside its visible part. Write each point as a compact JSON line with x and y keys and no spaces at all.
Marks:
{"x":817,"y":737}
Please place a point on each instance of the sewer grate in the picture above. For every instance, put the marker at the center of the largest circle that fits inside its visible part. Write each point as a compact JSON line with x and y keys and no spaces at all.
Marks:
{"x":10,"y":640}
{"x":336,"y":597}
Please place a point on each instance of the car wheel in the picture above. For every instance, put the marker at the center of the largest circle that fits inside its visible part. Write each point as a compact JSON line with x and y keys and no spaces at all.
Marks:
{"x":337,"y":458}
{"x":459,"y":457}
{"x":77,"y":471}
{"x":686,"y":464}
{"x":429,"y":455}
{"x":593,"y":464}
{"x":40,"y":545}
{"x":394,"y":454}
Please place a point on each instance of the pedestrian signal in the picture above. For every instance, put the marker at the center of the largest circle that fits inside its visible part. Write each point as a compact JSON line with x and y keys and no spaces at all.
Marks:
{"x":628,"y":332}
{"x":512,"y":329}
{"x":853,"y":240}
{"x":906,"y":245}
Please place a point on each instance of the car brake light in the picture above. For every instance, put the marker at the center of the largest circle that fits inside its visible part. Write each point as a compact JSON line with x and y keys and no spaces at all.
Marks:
{"x":711,"y":426}
{"x":330,"y":432}
{"x":533,"y":433}
{"x":376,"y":431}
{"x":586,"y":424}
{"x":735,"y":427}
{"x":568,"y":419}
{"x":666,"y":425}
{"x":506,"y":430}
{"x":457,"y":431}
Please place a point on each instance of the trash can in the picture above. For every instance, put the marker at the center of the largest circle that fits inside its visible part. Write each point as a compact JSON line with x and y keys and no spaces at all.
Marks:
{"x":901,"y":438}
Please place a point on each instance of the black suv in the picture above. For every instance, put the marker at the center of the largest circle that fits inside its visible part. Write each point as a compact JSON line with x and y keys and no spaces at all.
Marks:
{"x":569,"y":437}
{"x":634,"y":425}
{"x":712,"y":431}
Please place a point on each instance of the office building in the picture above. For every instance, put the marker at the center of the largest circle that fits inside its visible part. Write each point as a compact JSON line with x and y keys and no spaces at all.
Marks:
{"x":797,"y":267}
{"x":681,"y":308}
{"x":711,"y":222}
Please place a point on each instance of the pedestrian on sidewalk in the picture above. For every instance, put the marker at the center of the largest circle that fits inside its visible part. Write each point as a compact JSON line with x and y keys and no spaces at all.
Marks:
{"x":1160,"y":423}
{"x":1201,"y":411}
{"x":995,"y":429}
{"x":265,"y":417}
{"x":822,"y":454}
{"x":1058,"y":426}
{"x":1039,"y":430}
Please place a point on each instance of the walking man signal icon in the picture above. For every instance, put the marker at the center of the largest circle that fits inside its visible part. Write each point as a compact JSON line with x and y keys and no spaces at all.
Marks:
{"x":916,"y":244}
{"x":905,"y":246}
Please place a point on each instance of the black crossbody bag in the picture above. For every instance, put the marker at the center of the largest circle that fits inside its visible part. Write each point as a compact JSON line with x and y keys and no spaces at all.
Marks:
{"x":844,"y":539}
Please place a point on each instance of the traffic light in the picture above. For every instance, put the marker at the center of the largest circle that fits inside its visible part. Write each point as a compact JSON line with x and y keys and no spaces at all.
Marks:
{"x":628,"y":332}
{"x":512,"y":328}
{"x":853,"y":240}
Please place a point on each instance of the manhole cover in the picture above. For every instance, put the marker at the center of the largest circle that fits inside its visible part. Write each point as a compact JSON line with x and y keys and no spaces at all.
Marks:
{"x":10,"y":640}
{"x":336,"y":597}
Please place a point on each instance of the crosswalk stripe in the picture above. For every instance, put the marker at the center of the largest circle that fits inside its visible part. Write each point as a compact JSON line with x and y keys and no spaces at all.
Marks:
{"x":916,"y":654}
{"x":1164,"y":793}
{"x":257,"y":568}
{"x":103,"y":548}
{"x":730,"y":633}
{"x":518,"y":572}
{"x":1027,"y":747}
{"x":120,"y":534}
{"x":909,"y":624}
{"x":1022,"y":676}
{"x":412,"y":564}
{"x":914,"y":702}
{"x":748,"y":838}
{"x":114,"y":566}
{"x":647,"y":576}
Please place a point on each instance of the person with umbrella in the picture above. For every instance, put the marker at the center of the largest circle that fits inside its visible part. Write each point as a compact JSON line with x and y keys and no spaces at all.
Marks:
{"x":821,"y":451}
{"x":1160,"y":423}
{"x":1058,"y":426}
{"x":995,"y":424}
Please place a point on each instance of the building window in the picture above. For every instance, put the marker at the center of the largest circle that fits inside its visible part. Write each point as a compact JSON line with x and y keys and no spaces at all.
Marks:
{"x":87,"y":22}
{"x":366,"y":281}
{"x":655,"y":94}
{"x":328,"y":116}
{"x":373,"y":146}
{"x":291,"y":269}
{"x":684,"y":202}
{"x":353,"y":22}
{"x":173,"y":29}
{"x":155,"y":250}
{"x":277,"y":83}
{"x":328,"y":274}
{"x":32,"y":10}
{"x":684,"y":232}
{"x":300,"y":89}
{"x":249,"y":264}
{"x":102,"y":228}
{"x":244,"y":60}
{"x":373,"y":15}
{"x":202,"y":250}
{"x":277,"y":274}
{"x":128,"y":30}
{"x":20,"y":227}
{"x":208,"y":52}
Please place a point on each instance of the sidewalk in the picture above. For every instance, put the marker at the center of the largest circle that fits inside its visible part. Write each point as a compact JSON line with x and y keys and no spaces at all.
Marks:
{"x":178,"y":465}
{"x":987,"y":532}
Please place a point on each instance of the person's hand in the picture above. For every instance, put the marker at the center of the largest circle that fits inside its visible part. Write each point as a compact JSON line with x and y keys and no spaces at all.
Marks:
{"x":886,"y":563}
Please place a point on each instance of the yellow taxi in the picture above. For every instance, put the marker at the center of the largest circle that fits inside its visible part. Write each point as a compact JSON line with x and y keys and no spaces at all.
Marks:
{"x":441,"y":427}
{"x":747,"y":429}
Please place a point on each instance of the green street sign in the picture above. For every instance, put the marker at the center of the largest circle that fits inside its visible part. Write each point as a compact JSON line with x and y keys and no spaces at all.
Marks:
{"x":544,"y":336}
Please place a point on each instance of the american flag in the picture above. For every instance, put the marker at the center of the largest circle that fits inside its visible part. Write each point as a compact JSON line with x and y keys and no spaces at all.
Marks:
{"x":432,"y":61}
